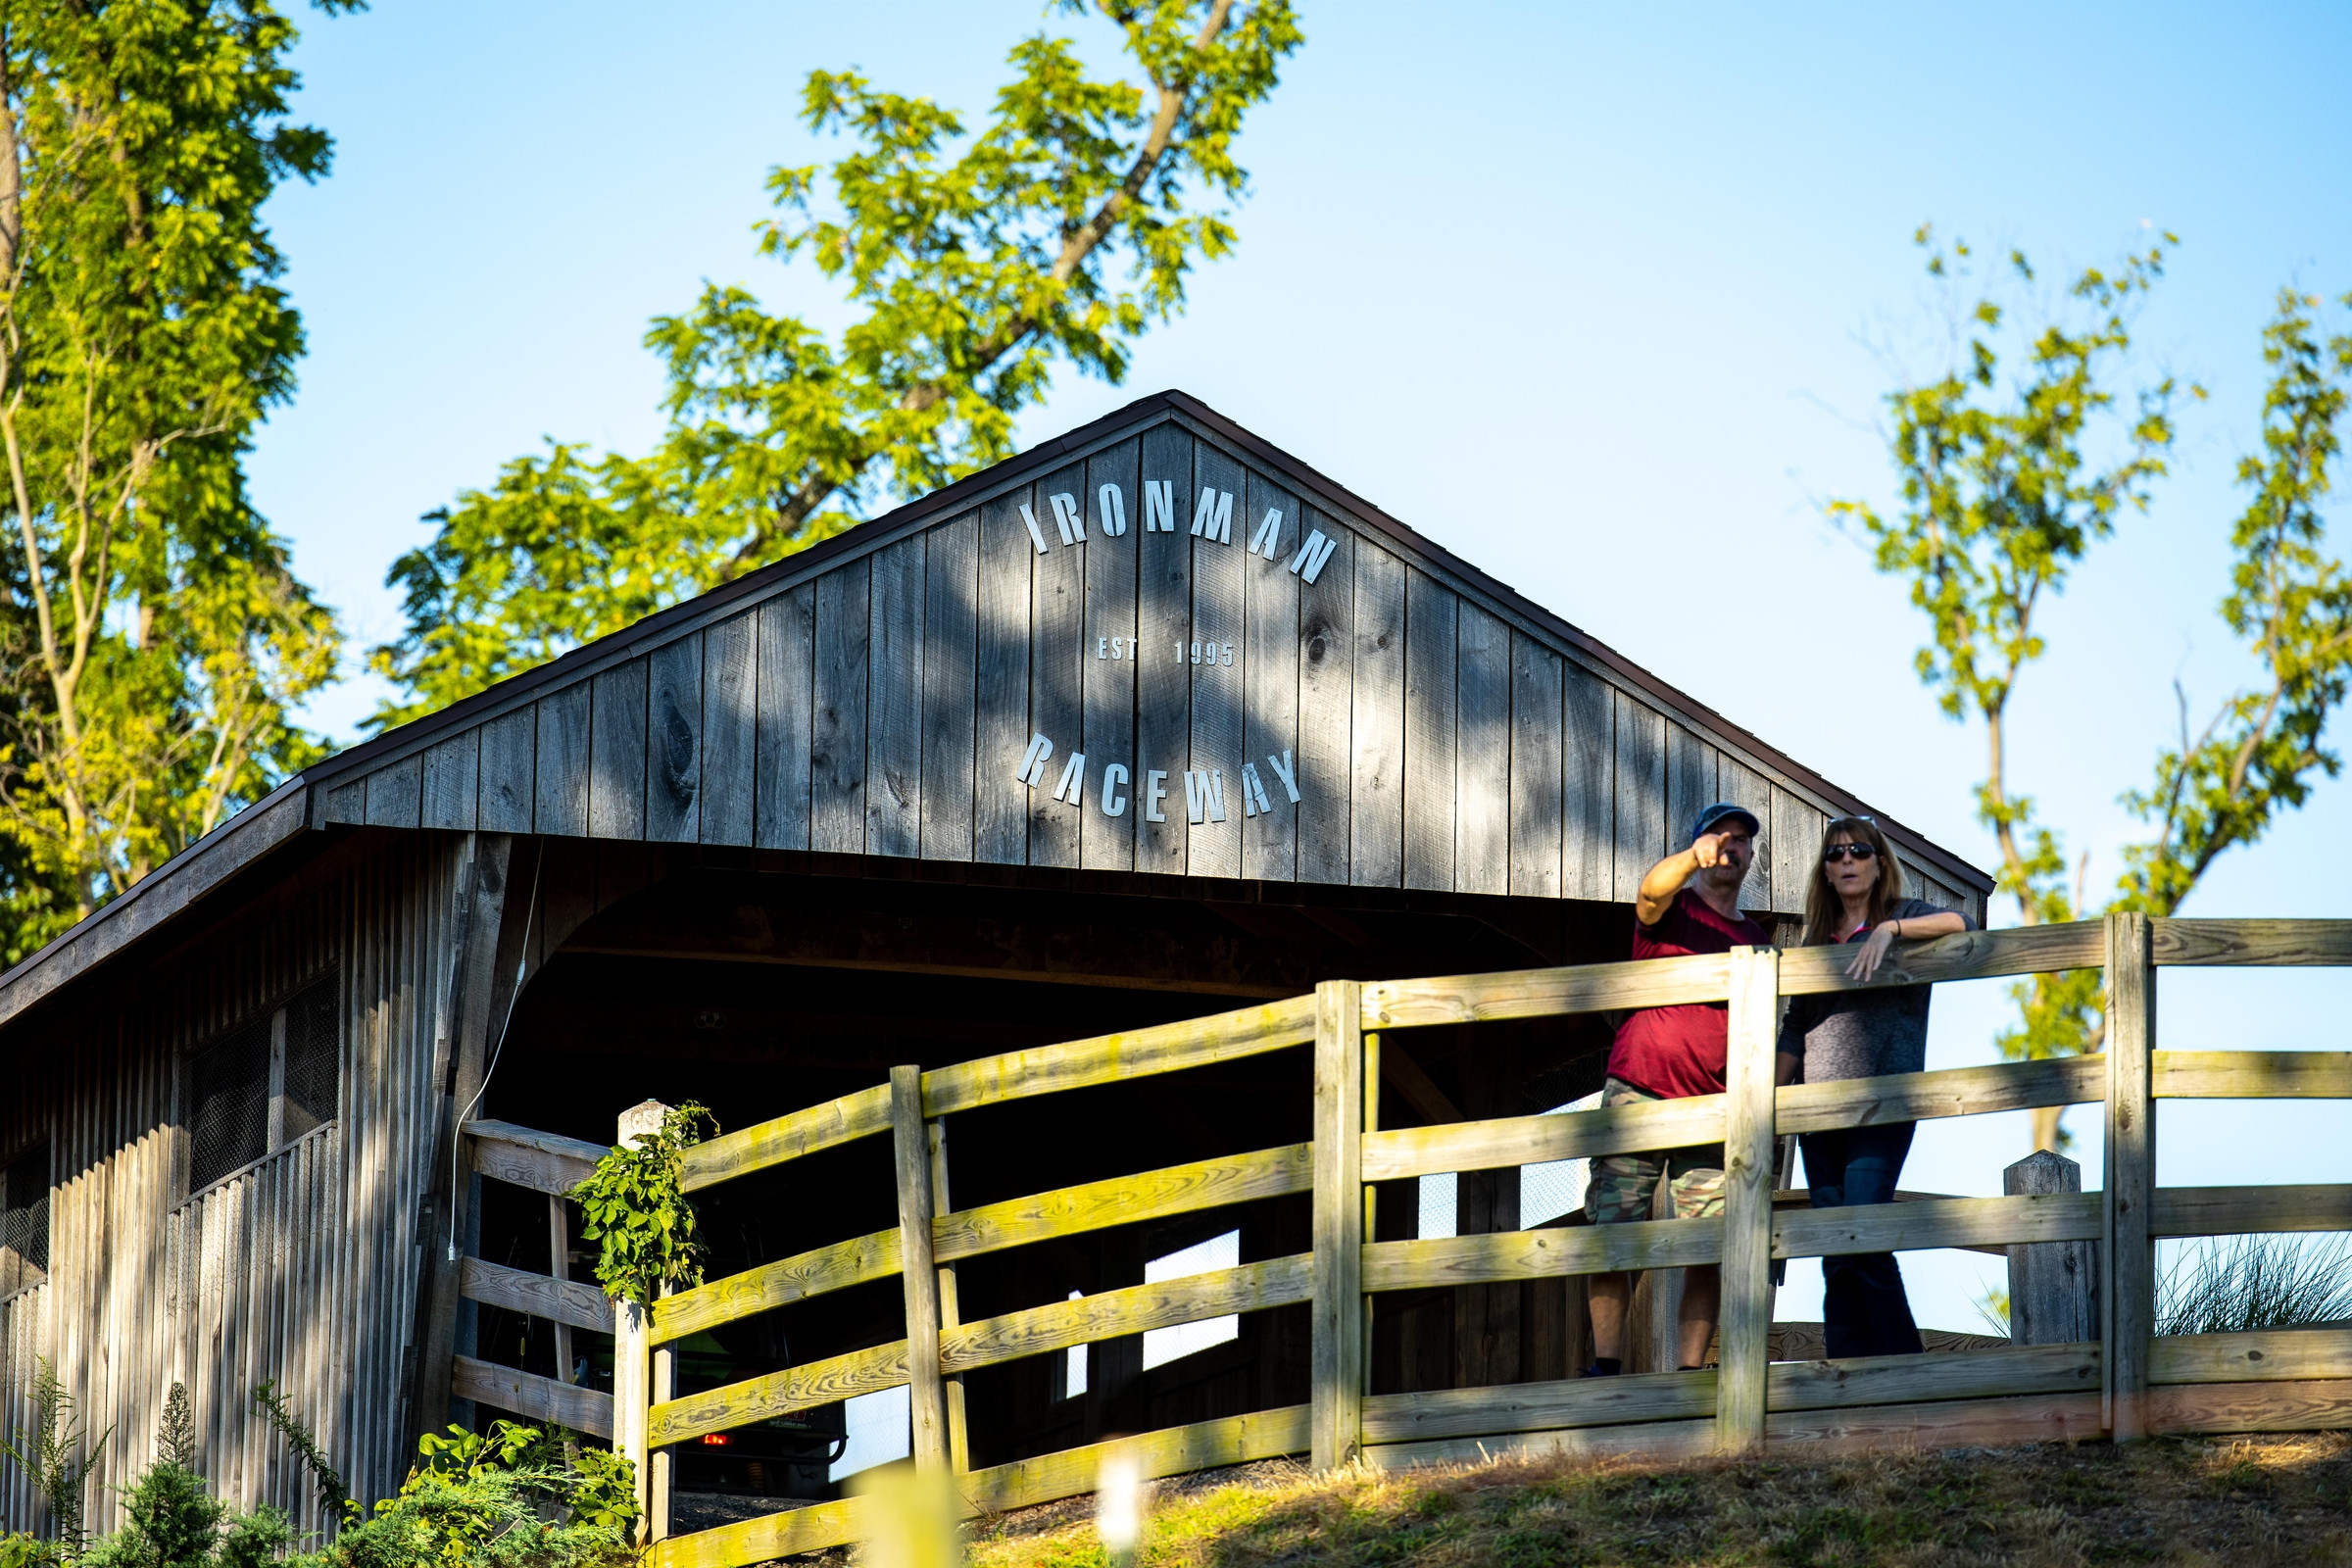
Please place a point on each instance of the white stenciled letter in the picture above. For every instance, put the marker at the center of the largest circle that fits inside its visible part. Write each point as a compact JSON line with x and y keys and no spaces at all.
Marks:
{"x":1159,"y":506}
{"x":1196,"y":795}
{"x":1111,"y":508}
{"x":1268,"y":535}
{"x":1253,"y":792}
{"x":1289,"y":775}
{"x":1073,"y":787}
{"x":1312,"y":555}
{"x":1114,"y":783}
{"x":1032,"y":771}
{"x":1214,"y":517}
{"x":1156,"y":789}
{"x":1035,"y":532}
{"x":1068,"y":519}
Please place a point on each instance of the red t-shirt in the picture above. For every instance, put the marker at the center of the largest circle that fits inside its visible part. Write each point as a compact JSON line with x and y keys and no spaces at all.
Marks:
{"x":1677,"y":1051}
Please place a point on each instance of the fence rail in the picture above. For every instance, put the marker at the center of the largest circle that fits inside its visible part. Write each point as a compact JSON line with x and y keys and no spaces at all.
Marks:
{"x":2126,"y":1382}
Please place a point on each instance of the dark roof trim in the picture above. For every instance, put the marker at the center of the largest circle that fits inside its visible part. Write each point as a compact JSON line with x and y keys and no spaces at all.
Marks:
{"x":169,"y":892}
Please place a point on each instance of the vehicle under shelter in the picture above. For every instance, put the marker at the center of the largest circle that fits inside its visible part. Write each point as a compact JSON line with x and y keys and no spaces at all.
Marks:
{"x":1149,"y":722}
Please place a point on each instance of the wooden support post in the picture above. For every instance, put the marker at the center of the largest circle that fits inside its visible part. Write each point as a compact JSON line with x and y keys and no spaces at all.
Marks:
{"x":910,"y":1142}
{"x":559,"y":1266}
{"x":633,"y":1364}
{"x":665,"y":1460}
{"x":2053,"y":1285}
{"x":1336,"y":1361}
{"x":1749,"y":1156}
{"x":951,"y":1313}
{"x":1371,"y":1194}
{"x":2127,"y":1286}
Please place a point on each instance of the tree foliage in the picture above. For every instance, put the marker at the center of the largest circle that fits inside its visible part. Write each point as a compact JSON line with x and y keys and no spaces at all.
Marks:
{"x":2005,"y":484}
{"x":155,"y":638}
{"x":634,"y":1207}
{"x":975,"y":261}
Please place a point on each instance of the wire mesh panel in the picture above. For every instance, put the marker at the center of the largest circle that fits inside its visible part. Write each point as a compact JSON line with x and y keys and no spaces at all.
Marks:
{"x":25,"y":1220}
{"x":228,"y":1122}
{"x":314,"y":1055}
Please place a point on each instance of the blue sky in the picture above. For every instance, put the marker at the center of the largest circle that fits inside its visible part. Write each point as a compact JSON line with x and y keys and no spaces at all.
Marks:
{"x":1604,"y":299}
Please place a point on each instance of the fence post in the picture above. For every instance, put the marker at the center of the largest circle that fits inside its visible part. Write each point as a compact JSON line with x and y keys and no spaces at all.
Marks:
{"x":1336,"y":1414}
{"x":2053,"y":1285}
{"x":632,"y":1361}
{"x":2128,"y":1287}
{"x":910,"y":1142}
{"x":1750,"y":1155}
{"x":950,"y":1307}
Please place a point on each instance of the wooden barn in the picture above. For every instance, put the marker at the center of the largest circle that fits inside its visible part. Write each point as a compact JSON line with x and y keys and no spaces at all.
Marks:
{"x":1151,"y":721}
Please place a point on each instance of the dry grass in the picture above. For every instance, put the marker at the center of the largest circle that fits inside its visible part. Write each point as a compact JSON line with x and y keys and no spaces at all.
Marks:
{"x":2244,"y":1502}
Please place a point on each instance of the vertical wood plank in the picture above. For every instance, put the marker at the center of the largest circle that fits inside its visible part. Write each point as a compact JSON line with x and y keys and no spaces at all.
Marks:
{"x":894,"y":744}
{"x":837,"y":733}
{"x":1742,"y":785}
{"x":1588,"y":808}
{"x":1001,"y":803}
{"x":673,"y":772}
{"x":1796,"y":828}
{"x":1689,"y":783}
{"x":566,"y":726}
{"x":951,"y":629}
{"x":1750,"y":1152}
{"x":452,"y":778}
{"x":1335,"y":1352}
{"x":617,"y":779}
{"x":1641,"y":794}
{"x":1326,"y":707}
{"x":2128,"y":1297}
{"x":2051,"y":1284}
{"x":1430,"y":704}
{"x":1270,"y":685}
{"x":1535,"y":762}
{"x":507,"y":770}
{"x":731,"y":729}
{"x":951,"y":1310}
{"x":558,"y":1266}
{"x":1376,"y":773}
{"x":911,"y":1143}
{"x":787,"y":683}
{"x":1056,"y":620}
{"x":1163,"y":686}
{"x":1483,"y":770}
{"x":393,"y":794}
{"x":1106,"y":659}
{"x":1213,"y":848}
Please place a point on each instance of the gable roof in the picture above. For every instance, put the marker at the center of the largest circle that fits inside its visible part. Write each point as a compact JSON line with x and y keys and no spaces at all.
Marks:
{"x":1371,"y":707}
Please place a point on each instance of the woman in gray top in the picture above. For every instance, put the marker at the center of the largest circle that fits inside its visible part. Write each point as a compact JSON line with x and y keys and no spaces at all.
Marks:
{"x":1856,"y":897}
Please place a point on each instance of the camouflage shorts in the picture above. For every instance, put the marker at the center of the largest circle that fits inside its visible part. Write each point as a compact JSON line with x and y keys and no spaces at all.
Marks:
{"x":1622,"y":1186}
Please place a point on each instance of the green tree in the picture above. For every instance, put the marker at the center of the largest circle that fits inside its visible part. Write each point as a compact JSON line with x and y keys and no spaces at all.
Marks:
{"x":1060,"y":230}
{"x":155,"y":636}
{"x":2005,"y":485}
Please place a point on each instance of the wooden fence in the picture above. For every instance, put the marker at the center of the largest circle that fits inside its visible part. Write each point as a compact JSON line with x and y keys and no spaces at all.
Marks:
{"x":2127,"y":1383}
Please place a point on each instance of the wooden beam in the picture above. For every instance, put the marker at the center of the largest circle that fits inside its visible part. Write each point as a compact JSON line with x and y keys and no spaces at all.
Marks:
{"x":2319,"y":1405}
{"x":532,"y":1396}
{"x":478,"y":894}
{"x":2249,"y":1210}
{"x":1532,"y":1140}
{"x":1750,"y":1150}
{"x":2326,"y":943}
{"x":785,"y":1138}
{"x":2253,"y":1075}
{"x":577,"y":1306}
{"x":1961,"y":1222}
{"x":1337,"y":1347}
{"x":1964,"y":955}
{"x":2128,"y":1287}
{"x":1544,"y":992}
{"x":911,"y":1143}
{"x":836,"y":1266}
{"x":1439,"y":1413}
{"x":801,"y":1388}
{"x":1131,"y":1309}
{"x":1117,"y":1058}
{"x":2264,"y":1355}
{"x":1123,"y":1200}
{"x":1172,"y":1451}
{"x":543,"y":1162}
{"x":1945,"y":1091}
{"x":813,"y":1527}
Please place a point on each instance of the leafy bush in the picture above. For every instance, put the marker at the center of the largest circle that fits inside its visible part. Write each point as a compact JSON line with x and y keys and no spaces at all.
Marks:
{"x":493,"y":1501}
{"x":636,"y":1209}
{"x":2229,"y":1285}
{"x":175,"y":1521}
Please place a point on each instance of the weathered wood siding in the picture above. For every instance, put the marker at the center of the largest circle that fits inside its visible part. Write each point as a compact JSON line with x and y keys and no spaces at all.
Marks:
{"x":301,"y":1268}
{"x":1437,"y":738}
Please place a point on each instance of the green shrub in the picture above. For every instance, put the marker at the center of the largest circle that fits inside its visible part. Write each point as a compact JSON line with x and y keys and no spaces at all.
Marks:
{"x":173,"y":1519}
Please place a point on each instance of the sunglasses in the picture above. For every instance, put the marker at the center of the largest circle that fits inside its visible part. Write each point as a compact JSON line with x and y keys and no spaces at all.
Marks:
{"x":1841,"y":852}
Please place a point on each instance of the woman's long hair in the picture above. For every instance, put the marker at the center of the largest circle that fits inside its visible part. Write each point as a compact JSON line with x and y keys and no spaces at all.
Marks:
{"x":1825,"y":910}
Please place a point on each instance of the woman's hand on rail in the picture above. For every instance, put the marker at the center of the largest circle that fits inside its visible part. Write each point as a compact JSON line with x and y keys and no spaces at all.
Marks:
{"x":1872,"y":953}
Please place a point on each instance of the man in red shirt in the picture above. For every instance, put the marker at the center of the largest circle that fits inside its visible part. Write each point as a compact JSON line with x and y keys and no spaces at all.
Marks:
{"x":1688,"y":903}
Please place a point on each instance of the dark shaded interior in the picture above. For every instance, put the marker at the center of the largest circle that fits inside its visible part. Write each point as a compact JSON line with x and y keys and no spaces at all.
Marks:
{"x":759,"y":991}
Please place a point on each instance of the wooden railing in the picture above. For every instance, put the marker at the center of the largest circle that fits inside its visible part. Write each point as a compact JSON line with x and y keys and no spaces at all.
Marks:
{"x":2126,"y":1384}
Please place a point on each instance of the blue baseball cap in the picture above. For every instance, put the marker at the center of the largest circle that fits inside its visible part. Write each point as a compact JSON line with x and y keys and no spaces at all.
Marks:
{"x":1719,"y":811}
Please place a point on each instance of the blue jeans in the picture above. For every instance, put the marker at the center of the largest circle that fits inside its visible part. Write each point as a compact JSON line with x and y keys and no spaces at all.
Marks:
{"x":1864,"y":1308}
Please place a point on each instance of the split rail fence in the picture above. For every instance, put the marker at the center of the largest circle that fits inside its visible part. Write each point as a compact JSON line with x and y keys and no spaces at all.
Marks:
{"x":2127,"y":1383}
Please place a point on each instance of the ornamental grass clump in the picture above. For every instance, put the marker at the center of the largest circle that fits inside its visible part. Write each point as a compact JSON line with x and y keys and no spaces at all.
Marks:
{"x":2228,"y":1285}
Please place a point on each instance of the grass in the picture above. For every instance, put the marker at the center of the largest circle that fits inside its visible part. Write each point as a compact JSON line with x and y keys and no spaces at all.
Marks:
{"x":2227,"y":1285}
{"x":2244,"y":1502}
